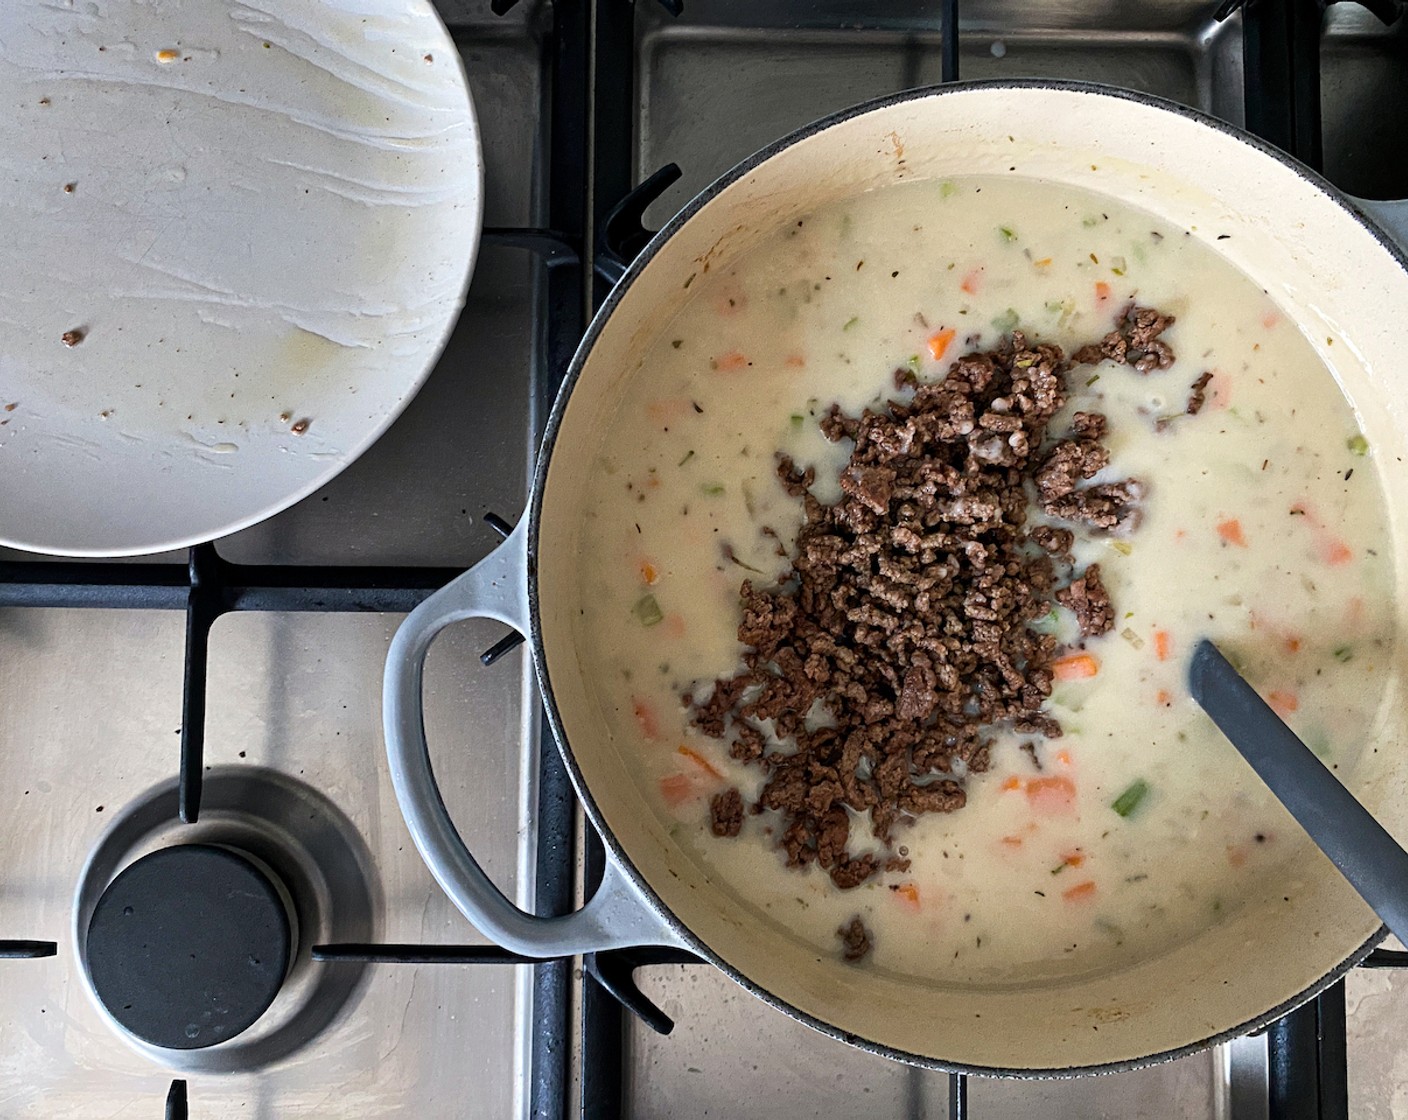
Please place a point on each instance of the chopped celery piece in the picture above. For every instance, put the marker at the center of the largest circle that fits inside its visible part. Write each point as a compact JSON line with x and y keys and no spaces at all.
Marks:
{"x":1129,"y":800}
{"x":647,"y":610}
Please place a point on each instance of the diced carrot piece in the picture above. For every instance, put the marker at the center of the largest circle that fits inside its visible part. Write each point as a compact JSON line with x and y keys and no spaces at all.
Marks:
{"x":649,"y":573}
{"x":674,"y":626}
{"x":1336,"y":552}
{"x":1063,"y":756}
{"x":1012,"y":782}
{"x":1236,"y":855}
{"x":666,"y":410}
{"x":1081,"y":892}
{"x":676,"y":789}
{"x":908,"y":894}
{"x":1163,"y":645}
{"x":699,"y":760}
{"x":1354,"y":613}
{"x":1231,"y":532}
{"x":1051,"y":795}
{"x":646,"y":719}
{"x":972,"y":281}
{"x":1270,"y":319}
{"x":794,"y":361}
{"x":731,"y":362}
{"x":1102,"y":291}
{"x":1290,"y":642}
{"x":1163,"y":698}
{"x":1073,"y":859}
{"x":1332,"y":549}
{"x":1012,"y":841}
{"x":1283,"y":702}
{"x":939,"y":342}
{"x":1043,"y":263}
{"x":1076,"y":667}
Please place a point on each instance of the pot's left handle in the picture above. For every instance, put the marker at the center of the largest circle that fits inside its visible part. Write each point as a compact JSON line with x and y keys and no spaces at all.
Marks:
{"x":618,"y":915}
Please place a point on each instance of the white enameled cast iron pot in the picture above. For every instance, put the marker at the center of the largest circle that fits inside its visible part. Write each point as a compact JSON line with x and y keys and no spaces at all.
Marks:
{"x":1328,"y":261}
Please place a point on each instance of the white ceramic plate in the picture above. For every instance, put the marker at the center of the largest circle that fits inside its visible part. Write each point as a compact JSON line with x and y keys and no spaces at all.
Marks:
{"x":260,"y":217}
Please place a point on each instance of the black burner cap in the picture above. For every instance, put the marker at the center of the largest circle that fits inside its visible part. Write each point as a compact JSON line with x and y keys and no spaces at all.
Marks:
{"x":188,"y":946}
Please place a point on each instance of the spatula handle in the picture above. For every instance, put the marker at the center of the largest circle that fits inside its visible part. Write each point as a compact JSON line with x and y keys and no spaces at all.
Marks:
{"x":1345,"y":831}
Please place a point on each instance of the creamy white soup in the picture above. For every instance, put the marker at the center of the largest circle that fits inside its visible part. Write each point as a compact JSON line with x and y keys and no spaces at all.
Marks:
{"x":1262,"y":527}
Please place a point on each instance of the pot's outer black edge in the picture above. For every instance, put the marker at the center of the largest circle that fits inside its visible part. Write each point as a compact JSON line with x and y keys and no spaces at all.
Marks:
{"x":545,"y":451}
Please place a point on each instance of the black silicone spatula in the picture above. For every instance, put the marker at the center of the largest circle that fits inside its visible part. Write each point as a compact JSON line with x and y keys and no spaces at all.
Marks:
{"x":1356,"y":843}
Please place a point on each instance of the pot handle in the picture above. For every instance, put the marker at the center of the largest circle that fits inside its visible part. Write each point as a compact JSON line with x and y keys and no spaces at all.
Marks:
{"x":1391,"y":217}
{"x":618,"y":915}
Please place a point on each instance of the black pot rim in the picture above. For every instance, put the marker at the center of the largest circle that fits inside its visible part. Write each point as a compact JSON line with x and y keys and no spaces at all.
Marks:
{"x":534,"y":512}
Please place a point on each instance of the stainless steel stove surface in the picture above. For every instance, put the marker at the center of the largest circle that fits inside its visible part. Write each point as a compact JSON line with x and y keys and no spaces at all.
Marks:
{"x":92,"y":703}
{"x":295,"y":767}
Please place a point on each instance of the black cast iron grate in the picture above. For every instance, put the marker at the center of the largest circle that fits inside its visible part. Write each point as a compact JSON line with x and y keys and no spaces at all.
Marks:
{"x":1282,"y":97}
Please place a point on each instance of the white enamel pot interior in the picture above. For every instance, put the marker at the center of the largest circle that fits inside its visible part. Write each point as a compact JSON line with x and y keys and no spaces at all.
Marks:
{"x":1328,"y":269}
{"x":260,"y":217}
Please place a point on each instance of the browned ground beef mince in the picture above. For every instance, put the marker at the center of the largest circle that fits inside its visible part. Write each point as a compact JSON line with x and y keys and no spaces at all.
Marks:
{"x":726,"y":813}
{"x":1088,"y":600}
{"x":899,"y":638}
{"x":855,"y":940}
{"x":1197,"y":394}
{"x":1135,"y":341}
{"x":1056,"y":541}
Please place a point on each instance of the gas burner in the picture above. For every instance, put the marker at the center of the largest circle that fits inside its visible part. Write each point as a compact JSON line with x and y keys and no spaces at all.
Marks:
{"x":195,"y":940}
{"x":189,"y":946}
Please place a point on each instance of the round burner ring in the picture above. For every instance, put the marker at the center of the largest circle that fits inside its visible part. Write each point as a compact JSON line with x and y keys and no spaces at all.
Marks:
{"x":303,"y":848}
{"x":188,"y":946}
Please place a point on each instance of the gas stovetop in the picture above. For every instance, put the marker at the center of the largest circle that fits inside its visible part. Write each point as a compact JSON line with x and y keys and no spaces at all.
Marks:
{"x":229,"y":699}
